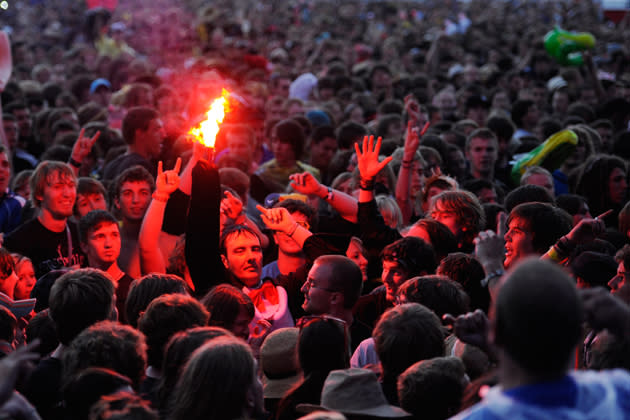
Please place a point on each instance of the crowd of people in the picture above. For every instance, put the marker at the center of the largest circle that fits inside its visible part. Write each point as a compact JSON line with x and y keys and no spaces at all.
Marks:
{"x":369,"y":236}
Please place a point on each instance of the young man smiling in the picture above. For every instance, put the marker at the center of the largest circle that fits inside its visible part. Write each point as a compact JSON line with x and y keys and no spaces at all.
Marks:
{"x":50,"y":240}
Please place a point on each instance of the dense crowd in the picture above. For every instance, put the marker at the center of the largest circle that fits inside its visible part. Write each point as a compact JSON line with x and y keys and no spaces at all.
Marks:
{"x":412,"y":210}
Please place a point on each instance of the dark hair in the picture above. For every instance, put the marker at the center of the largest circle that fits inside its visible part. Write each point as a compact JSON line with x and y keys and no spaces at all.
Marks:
{"x":594,"y":177}
{"x":438,"y":293}
{"x":78,"y":299}
{"x":86,"y":186}
{"x":176,"y":354}
{"x":224,"y":302}
{"x":414,"y":255}
{"x":406,"y":334}
{"x":8,"y":325}
{"x":291,"y":132}
{"x":122,"y":405}
{"x":301,"y":207}
{"x":442,"y":239}
{"x":349,"y":133}
{"x":234,"y":230}
{"x":527,"y":194}
{"x":538,"y":317}
{"x":570,"y":203}
{"x":137,"y":118}
{"x":480,"y":133}
{"x":107,"y":344}
{"x":165,"y":316}
{"x":143,"y":290}
{"x":134,"y":174}
{"x":92,"y":221}
{"x":546,"y":223}
{"x":520,"y":109}
{"x":7,"y":263}
{"x":502,"y":127}
{"x":322,"y":132}
{"x":344,"y":276}
{"x":466,"y":270}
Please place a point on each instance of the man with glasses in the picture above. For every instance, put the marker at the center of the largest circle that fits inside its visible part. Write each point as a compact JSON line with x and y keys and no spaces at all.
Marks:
{"x":332,"y":288}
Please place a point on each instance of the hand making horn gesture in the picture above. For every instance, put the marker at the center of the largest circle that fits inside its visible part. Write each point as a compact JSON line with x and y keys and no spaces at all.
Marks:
{"x":82,"y":147}
{"x":166,"y":181}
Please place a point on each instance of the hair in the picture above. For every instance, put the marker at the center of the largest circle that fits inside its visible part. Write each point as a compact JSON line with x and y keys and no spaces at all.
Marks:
{"x":234,"y":230}
{"x":432,"y":389}
{"x":93,"y":221}
{"x":7,"y":263}
{"x":143,"y":290}
{"x":414,"y":255}
{"x":199,"y":394}
{"x":8,"y":325}
{"x":538,"y":305}
{"x":520,"y":109}
{"x":594,"y":177}
{"x":235,"y":179}
{"x":44,"y":174}
{"x":136,"y":173}
{"x":388,"y":207}
{"x":289,"y":131}
{"x":467,"y":208}
{"x":87,"y":387}
{"x":466,"y":270}
{"x":88,"y":186}
{"x":442,"y":239}
{"x":385,"y":121}
{"x":501,"y":126}
{"x":137,"y":118}
{"x":527,"y":194}
{"x":165,"y":316}
{"x":438,"y":293}
{"x":349,"y":133}
{"x":535,"y":170}
{"x":406,"y":334}
{"x":224,"y":302}
{"x":78,"y":299}
{"x":122,"y":406}
{"x":546,"y":223}
{"x":624,"y":219}
{"x":300,"y":207}
{"x":623,"y":256}
{"x":176,"y":354}
{"x":110,"y":345}
{"x":480,"y":133}
{"x":344,"y":276}
{"x":321,"y":133}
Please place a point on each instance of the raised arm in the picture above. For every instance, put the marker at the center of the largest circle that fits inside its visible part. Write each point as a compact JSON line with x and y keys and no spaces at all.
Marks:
{"x":151,"y":258}
{"x":281,"y":220}
{"x":344,"y":204}
{"x":81,"y":149}
{"x":369,"y":166}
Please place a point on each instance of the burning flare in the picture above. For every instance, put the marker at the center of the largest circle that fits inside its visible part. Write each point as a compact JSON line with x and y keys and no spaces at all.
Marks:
{"x":206,"y":131}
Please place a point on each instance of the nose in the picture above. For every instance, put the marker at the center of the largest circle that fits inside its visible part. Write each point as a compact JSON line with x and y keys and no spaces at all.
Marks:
{"x":305,"y":287}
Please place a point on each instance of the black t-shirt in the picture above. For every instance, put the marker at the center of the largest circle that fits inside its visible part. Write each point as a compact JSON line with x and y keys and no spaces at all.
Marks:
{"x":47,"y":250}
{"x":122,"y":290}
{"x":43,"y":388}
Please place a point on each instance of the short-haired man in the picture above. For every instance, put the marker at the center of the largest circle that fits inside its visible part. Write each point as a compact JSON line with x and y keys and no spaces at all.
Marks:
{"x":461,"y":212}
{"x":91,"y":195}
{"x":535,"y":327}
{"x":143,"y":131}
{"x":332,"y":288}
{"x":78,"y":299}
{"x":482,"y":151}
{"x":131,"y":196}
{"x":50,"y":240}
{"x":101,"y":243}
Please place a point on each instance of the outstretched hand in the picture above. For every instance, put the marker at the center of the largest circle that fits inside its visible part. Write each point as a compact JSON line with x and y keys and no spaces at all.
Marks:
{"x":588,"y":229}
{"x":231,"y":206}
{"x":167,"y":181}
{"x":83,"y":145}
{"x":367,"y":158}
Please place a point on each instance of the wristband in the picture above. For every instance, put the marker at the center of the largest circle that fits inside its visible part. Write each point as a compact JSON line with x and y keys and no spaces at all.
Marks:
{"x":74,"y":162}
{"x":366,"y":184}
{"x":294,"y":229}
{"x":160,"y":196}
{"x":491,"y":275}
{"x":329,"y":196}
{"x":407,"y":164}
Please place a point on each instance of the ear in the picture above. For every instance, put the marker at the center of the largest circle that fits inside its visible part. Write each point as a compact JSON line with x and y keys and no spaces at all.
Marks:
{"x":225,"y":261}
{"x":117,"y":203}
{"x":84,"y":247}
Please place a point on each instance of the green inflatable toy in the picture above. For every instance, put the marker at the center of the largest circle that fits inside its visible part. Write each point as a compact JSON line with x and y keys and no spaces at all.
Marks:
{"x":550,"y":154}
{"x":566,"y":47}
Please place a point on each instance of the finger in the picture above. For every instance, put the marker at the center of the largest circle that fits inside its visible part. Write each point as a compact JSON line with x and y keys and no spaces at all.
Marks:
{"x":366,"y":142}
{"x":377,"y":146}
{"x":605,"y":214}
{"x":94,"y":138}
{"x":384,"y":162}
{"x":228,"y":195}
{"x":262,"y":210}
{"x":160,"y":168}
{"x":356,"y":149}
{"x":448,"y":319}
{"x":178,"y":165}
{"x":425,"y":128}
{"x":81,"y":133}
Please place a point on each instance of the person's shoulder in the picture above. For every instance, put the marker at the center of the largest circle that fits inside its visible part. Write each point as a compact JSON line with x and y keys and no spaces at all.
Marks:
{"x":477,"y":412}
{"x":26,"y":228}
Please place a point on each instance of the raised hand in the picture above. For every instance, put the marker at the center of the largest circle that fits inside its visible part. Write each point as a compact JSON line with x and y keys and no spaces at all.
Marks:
{"x":588,"y":229}
{"x":167,"y":181}
{"x":367,"y":159}
{"x":231,"y":206}
{"x":471,"y":328}
{"x":306,"y":183}
{"x":83,"y":145}
{"x":278,"y":219}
